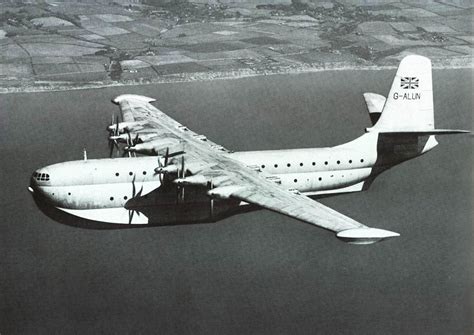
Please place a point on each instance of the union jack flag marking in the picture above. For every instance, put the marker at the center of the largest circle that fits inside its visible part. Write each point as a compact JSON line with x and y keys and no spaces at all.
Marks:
{"x":409,"y":83}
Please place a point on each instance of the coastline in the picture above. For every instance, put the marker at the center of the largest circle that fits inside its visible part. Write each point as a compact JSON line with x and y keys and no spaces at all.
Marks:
{"x":52,"y":86}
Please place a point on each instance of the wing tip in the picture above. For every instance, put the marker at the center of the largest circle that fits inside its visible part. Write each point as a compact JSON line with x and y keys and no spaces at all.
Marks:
{"x":132,"y":97}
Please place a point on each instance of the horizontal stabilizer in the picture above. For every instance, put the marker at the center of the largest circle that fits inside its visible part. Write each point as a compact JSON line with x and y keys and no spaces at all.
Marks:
{"x":423,"y":132}
{"x":375,"y":103}
{"x":365,"y":235}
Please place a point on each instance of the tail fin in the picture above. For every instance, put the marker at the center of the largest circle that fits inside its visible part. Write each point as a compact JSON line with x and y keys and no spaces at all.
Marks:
{"x":409,"y":105}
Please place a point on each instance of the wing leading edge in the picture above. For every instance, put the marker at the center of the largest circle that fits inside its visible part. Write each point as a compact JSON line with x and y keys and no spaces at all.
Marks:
{"x":209,"y":163}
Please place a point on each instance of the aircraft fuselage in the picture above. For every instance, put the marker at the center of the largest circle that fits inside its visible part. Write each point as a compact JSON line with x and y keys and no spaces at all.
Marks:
{"x":129,"y":191}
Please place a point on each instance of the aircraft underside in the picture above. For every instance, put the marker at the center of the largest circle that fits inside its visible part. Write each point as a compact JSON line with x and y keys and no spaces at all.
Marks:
{"x":162,"y":206}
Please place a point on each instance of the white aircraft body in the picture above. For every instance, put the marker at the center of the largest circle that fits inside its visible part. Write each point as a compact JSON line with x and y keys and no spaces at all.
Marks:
{"x":189,"y":179}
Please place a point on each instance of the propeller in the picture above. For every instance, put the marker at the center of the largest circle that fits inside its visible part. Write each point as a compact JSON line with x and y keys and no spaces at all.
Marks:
{"x":113,"y":144}
{"x":130,"y":143}
{"x":135,"y":195}
{"x":113,"y":128}
{"x":160,"y":169}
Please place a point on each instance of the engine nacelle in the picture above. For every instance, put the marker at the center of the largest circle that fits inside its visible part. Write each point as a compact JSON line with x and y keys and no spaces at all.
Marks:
{"x":122,"y":127}
{"x":157,"y":147}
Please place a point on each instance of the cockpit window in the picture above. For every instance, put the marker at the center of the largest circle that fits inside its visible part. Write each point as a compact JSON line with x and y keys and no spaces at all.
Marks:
{"x":41,"y":176}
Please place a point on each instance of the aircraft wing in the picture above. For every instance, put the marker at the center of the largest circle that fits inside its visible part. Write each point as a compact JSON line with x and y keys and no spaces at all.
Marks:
{"x":260,"y":189}
{"x":210,"y":164}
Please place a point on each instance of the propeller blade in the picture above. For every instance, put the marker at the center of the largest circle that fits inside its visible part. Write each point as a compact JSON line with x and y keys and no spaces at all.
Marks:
{"x":167,"y":155}
{"x":180,"y":188}
{"x":139,"y":194}
{"x":133,"y":187}
{"x":210,"y":186}
{"x":111,"y":148}
{"x":162,"y":174}
{"x":129,"y":138}
{"x":116,"y":131}
{"x":129,"y":141}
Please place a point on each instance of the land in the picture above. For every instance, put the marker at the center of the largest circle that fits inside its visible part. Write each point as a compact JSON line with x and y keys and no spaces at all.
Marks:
{"x":47,"y":45}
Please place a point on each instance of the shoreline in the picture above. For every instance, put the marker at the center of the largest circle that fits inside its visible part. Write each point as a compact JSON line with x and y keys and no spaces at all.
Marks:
{"x":58,"y":86}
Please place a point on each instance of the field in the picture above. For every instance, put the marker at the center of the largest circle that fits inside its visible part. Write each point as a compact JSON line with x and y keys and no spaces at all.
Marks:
{"x":306,"y":36}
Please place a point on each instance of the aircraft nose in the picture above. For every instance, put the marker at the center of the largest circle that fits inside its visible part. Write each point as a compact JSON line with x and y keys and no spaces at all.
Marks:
{"x":37,"y":179}
{"x":32,"y":188}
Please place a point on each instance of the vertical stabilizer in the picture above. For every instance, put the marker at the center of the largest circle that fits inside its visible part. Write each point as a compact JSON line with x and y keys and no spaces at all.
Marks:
{"x":409,"y":105}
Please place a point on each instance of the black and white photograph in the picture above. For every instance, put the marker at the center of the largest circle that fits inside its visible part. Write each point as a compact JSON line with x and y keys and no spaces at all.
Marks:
{"x":236,"y":167}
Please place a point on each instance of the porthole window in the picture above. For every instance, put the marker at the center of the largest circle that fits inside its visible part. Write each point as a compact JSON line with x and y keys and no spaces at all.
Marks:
{"x":314,"y":163}
{"x":263,"y":166}
{"x":350,"y":161}
{"x":125,"y":198}
{"x":288,"y":164}
{"x":276,"y":165}
{"x":117,"y":174}
{"x":130,"y":173}
{"x":296,"y":180}
{"x":320,"y":178}
{"x":144,"y":172}
{"x":338,"y":162}
{"x":111,"y":198}
{"x":69,"y":193}
{"x":301,"y":164}
{"x":362,"y":160}
{"x":326,"y":163}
